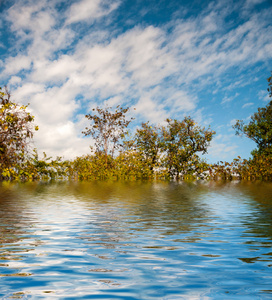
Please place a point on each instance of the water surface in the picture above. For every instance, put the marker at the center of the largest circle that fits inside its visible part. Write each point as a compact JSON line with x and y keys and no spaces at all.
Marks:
{"x":113,"y":240}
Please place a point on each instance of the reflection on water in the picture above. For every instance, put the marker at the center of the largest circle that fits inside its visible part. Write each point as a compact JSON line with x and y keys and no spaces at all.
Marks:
{"x":113,"y":240}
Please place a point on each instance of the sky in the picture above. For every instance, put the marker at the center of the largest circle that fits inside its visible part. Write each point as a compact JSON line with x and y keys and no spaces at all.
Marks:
{"x":166,"y":58}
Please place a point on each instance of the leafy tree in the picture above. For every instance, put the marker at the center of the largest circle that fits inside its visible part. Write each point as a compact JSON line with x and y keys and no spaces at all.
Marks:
{"x":148,"y":140}
{"x":127,"y":165}
{"x":95,"y":166}
{"x":108,"y":129}
{"x":36,"y":168}
{"x":16,"y":130}
{"x":225,"y":170}
{"x":256,"y":167}
{"x":259,"y":128}
{"x":182,"y":140}
{"x":131,"y":164}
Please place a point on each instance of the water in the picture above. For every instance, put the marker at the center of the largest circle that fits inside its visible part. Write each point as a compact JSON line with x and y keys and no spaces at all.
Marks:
{"x":136,"y":241}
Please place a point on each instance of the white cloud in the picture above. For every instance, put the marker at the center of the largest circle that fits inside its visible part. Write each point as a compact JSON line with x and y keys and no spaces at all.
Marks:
{"x":249,"y":4}
{"x":61,"y":139}
{"x":264,"y":96}
{"x":13,"y":65}
{"x":55,"y":105}
{"x":21,"y":15}
{"x":113,"y":101}
{"x":26,"y":91}
{"x":181,"y":101}
{"x":253,"y":2}
{"x":14,"y":80}
{"x":146,"y":59}
{"x":203,"y":119}
{"x":247,"y":104}
{"x":229,"y":99}
{"x":86,"y":10}
{"x":243,"y":45}
{"x":56,"y":70}
{"x":222,"y":148}
{"x":148,"y":109}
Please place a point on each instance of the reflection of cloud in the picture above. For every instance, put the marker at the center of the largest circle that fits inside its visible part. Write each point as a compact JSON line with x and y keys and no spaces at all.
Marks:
{"x":83,"y":239}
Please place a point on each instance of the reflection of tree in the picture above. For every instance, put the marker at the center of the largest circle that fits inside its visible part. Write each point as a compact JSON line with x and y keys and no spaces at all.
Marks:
{"x":14,"y":224}
{"x":134,"y":208}
{"x":170,"y":209}
{"x":258,"y":234}
{"x":261,"y":193}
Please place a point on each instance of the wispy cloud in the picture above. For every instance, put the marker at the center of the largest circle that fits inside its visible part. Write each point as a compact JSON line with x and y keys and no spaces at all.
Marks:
{"x":247,"y":104}
{"x":264,"y":96}
{"x":88,"y":11}
{"x":229,"y":99}
{"x":222,"y":147}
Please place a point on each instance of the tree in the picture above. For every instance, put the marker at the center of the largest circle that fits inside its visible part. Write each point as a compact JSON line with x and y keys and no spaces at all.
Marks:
{"x":259,"y":128}
{"x":16,"y":130}
{"x":108,"y":129}
{"x":148,"y":141}
{"x":182,"y":140}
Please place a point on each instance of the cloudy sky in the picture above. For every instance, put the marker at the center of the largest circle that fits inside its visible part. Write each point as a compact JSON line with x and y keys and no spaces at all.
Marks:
{"x":166,"y":58}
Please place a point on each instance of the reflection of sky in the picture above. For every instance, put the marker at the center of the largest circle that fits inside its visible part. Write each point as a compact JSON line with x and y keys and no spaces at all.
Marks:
{"x":183,"y":240}
{"x":227,"y":204}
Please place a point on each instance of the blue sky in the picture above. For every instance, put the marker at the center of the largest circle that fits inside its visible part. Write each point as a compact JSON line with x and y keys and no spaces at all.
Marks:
{"x":204,"y":59}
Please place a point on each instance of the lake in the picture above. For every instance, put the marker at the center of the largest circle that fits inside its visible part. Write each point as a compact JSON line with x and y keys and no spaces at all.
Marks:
{"x":136,"y":240}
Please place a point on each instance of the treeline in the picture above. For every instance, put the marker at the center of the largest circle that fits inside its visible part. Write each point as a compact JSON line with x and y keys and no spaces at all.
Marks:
{"x":170,"y":151}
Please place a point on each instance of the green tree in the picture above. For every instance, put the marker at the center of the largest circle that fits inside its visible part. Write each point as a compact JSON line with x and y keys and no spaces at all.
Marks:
{"x":35,"y":167}
{"x":97,"y":166}
{"x":182,"y":140}
{"x":131,"y":164}
{"x":108,"y":129}
{"x":259,"y":128}
{"x":16,"y":130}
{"x":148,"y":141}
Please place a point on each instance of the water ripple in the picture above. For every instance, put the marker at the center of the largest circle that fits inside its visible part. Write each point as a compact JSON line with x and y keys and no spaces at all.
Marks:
{"x":137,"y":241}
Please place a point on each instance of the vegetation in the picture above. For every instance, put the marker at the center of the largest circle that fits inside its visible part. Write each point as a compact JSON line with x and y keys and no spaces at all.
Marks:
{"x":148,"y":143}
{"x":107,"y":129}
{"x":259,"y":129}
{"x":182,"y":140}
{"x":155,"y":151}
{"x":16,"y":130}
